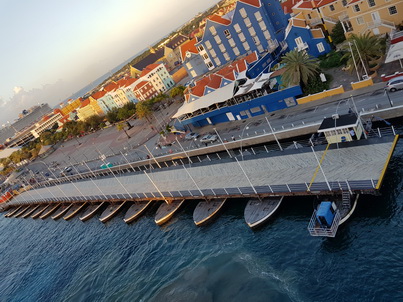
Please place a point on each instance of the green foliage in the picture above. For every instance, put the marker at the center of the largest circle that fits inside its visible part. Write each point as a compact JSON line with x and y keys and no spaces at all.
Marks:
{"x":299,"y":67}
{"x":143,"y":110}
{"x":363,"y":48}
{"x":337,"y":33}
{"x":315,"y":85}
{"x":94,"y":122}
{"x":332,"y":59}
{"x":177,"y":91}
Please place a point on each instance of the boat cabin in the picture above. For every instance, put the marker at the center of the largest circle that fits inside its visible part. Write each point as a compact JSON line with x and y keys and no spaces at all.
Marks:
{"x":326,"y":213}
{"x":341,"y":128}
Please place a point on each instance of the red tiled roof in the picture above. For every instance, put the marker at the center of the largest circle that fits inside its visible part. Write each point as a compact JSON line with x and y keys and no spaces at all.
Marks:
{"x":130,"y":81}
{"x":325,"y":2}
{"x":215,"y":81}
{"x":111,"y":87}
{"x":288,"y":5}
{"x":188,"y":46}
{"x":219,"y":19}
{"x":255,"y":3}
{"x":148,"y":69}
{"x":99,"y":94}
{"x":85,"y":102}
{"x":141,"y":84}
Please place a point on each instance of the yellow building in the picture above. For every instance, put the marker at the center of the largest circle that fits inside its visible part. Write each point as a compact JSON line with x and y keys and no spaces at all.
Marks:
{"x":95,"y":106}
{"x":70,"y":106}
{"x":356,"y":16}
{"x":85,"y":110}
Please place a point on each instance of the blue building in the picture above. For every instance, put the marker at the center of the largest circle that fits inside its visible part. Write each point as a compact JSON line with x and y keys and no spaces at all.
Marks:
{"x":299,"y":36}
{"x":254,"y":25}
{"x":192,"y":60}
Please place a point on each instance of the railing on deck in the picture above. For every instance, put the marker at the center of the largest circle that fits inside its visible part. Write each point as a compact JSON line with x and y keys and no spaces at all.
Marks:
{"x":315,"y":229}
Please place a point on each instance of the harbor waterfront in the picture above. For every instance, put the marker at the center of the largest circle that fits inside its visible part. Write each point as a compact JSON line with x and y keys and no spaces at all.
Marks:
{"x":47,"y":260}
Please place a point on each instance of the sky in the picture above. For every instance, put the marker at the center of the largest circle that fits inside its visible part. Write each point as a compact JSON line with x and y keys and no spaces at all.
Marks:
{"x":50,"y":49}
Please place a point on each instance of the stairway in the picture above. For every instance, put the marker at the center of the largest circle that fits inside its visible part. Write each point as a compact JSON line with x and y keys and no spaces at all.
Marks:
{"x":346,"y":200}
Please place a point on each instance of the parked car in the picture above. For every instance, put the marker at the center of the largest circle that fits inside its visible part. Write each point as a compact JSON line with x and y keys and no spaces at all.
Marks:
{"x":394,"y":84}
{"x":67,"y":169}
{"x":208,"y":138}
{"x":191,"y":135}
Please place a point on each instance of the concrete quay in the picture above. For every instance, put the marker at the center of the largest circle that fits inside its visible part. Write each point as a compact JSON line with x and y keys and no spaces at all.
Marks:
{"x":356,"y":167}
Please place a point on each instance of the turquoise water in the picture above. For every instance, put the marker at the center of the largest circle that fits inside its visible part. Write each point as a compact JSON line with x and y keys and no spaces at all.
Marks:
{"x":224,"y":261}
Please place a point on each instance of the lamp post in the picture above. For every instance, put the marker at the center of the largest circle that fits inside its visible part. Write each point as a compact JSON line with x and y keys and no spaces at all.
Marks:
{"x":222,"y":143}
{"x":187,"y":155}
{"x":158,"y":164}
{"x":244,"y":128}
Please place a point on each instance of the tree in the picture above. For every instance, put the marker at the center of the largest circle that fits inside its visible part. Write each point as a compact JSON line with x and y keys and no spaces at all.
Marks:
{"x":338,"y":33}
{"x":177,"y":91}
{"x":94,"y":121}
{"x":299,"y":67}
{"x":363,"y":48}
{"x":122,"y":127}
{"x":143,"y":110}
{"x":112,"y":116}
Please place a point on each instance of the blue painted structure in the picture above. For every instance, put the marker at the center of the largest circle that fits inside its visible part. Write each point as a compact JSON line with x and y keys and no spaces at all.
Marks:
{"x":194,"y":65}
{"x":271,"y":102}
{"x":325,"y":214}
{"x":315,"y":46}
{"x":250,"y":28}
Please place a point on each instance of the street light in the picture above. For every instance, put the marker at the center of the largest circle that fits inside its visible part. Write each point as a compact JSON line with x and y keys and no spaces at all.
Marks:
{"x":222,"y":143}
{"x":244,"y":128}
{"x":274,"y":134}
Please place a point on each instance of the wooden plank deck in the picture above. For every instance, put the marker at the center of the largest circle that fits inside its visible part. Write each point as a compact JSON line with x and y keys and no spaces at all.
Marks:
{"x":166,"y":211}
{"x":136,"y":210}
{"x":91,"y":211}
{"x":49,"y":211}
{"x":111,"y":211}
{"x":207,"y":210}
{"x":258,"y":211}
{"x":29,"y":213}
{"x":61,"y":211}
{"x":74,"y":210}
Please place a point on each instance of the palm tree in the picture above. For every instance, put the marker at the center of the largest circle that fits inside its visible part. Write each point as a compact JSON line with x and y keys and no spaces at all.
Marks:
{"x":143,"y":110}
{"x":364,"y":48}
{"x":299,"y":67}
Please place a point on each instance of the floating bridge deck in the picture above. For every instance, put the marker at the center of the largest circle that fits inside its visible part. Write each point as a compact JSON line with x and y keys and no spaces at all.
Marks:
{"x":356,"y":167}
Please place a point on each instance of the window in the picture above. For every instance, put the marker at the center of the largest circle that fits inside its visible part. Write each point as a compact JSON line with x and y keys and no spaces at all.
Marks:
{"x":356,"y":8}
{"x":371,"y":3}
{"x":205,"y":56}
{"x":309,"y":16}
{"x":392,"y":10}
{"x":231,"y":42}
{"x":360,"y":20}
{"x":252,"y":31}
{"x":222,"y":47}
{"x":213,"y":53}
{"x":256,"y":40}
{"x":236,"y":51}
{"x":212,"y":30}
{"x":242,"y":37}
{"x":331,"y":7}
{"x":227,"y":34}
{"x":344,"y":2}
{"x":193,"y":73}
{"x":258,"y":16}
{"x":226,"y":56}
{"x":262,"y":25}
{"x":246,"y":46}
{"x":267,"y":35}
{"x":320,"y":46}
{"x":237,"y":28}
{"x":298,"y":40}
{"x":217,"y":39}
{"x":247,"y":22}
{"x":209,"y":64}
{"x":200,"y":48}
{"x":208,"y":44}
{"x":242,"y":11}
{"x":188,"y":65}
{"x":217,"y":61}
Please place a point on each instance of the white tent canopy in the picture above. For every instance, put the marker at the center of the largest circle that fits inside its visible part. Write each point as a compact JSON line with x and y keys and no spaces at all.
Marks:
{"x":395,"y":53}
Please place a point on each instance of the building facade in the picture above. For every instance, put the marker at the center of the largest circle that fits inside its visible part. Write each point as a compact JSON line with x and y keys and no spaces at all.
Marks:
{"x":254,"y":25}
{"x":158,"y":76}
{"x":192,"y":60}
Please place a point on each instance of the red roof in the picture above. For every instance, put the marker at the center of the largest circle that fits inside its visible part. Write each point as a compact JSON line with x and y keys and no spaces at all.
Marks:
{"x":255,"y":3}
{"x":215,"y":81}
{"x":148,"y":69}
{"x":288,"y":5}
{"x":130,"y":81}
{"x":141,"y":84}
{"x":111,"y":87}
{"x":85,"y":102}
{"x":99,"y":94}
{"x":219,"y":19}
{"x":188,"y":46}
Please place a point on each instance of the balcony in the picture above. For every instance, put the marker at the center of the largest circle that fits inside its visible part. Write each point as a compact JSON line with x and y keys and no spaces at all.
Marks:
{"x":330,"y":20}
{"x":315,"y":21}
{"x":273,"y":44}
{"x":380,"y":22}
{"x":302,"y":46}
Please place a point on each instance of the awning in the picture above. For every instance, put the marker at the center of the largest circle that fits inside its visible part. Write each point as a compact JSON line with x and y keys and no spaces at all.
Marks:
{"x":395,"y":53}
{"x":218,"y":96}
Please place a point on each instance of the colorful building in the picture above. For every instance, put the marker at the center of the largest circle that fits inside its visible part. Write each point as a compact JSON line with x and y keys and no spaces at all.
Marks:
{"x":145,"y":90}
{"x":70,"y":106}
{"x":158,"y":76}
{"x":86,"y":110}
{"x":254,"y":25}
{"x":192,"y":60}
